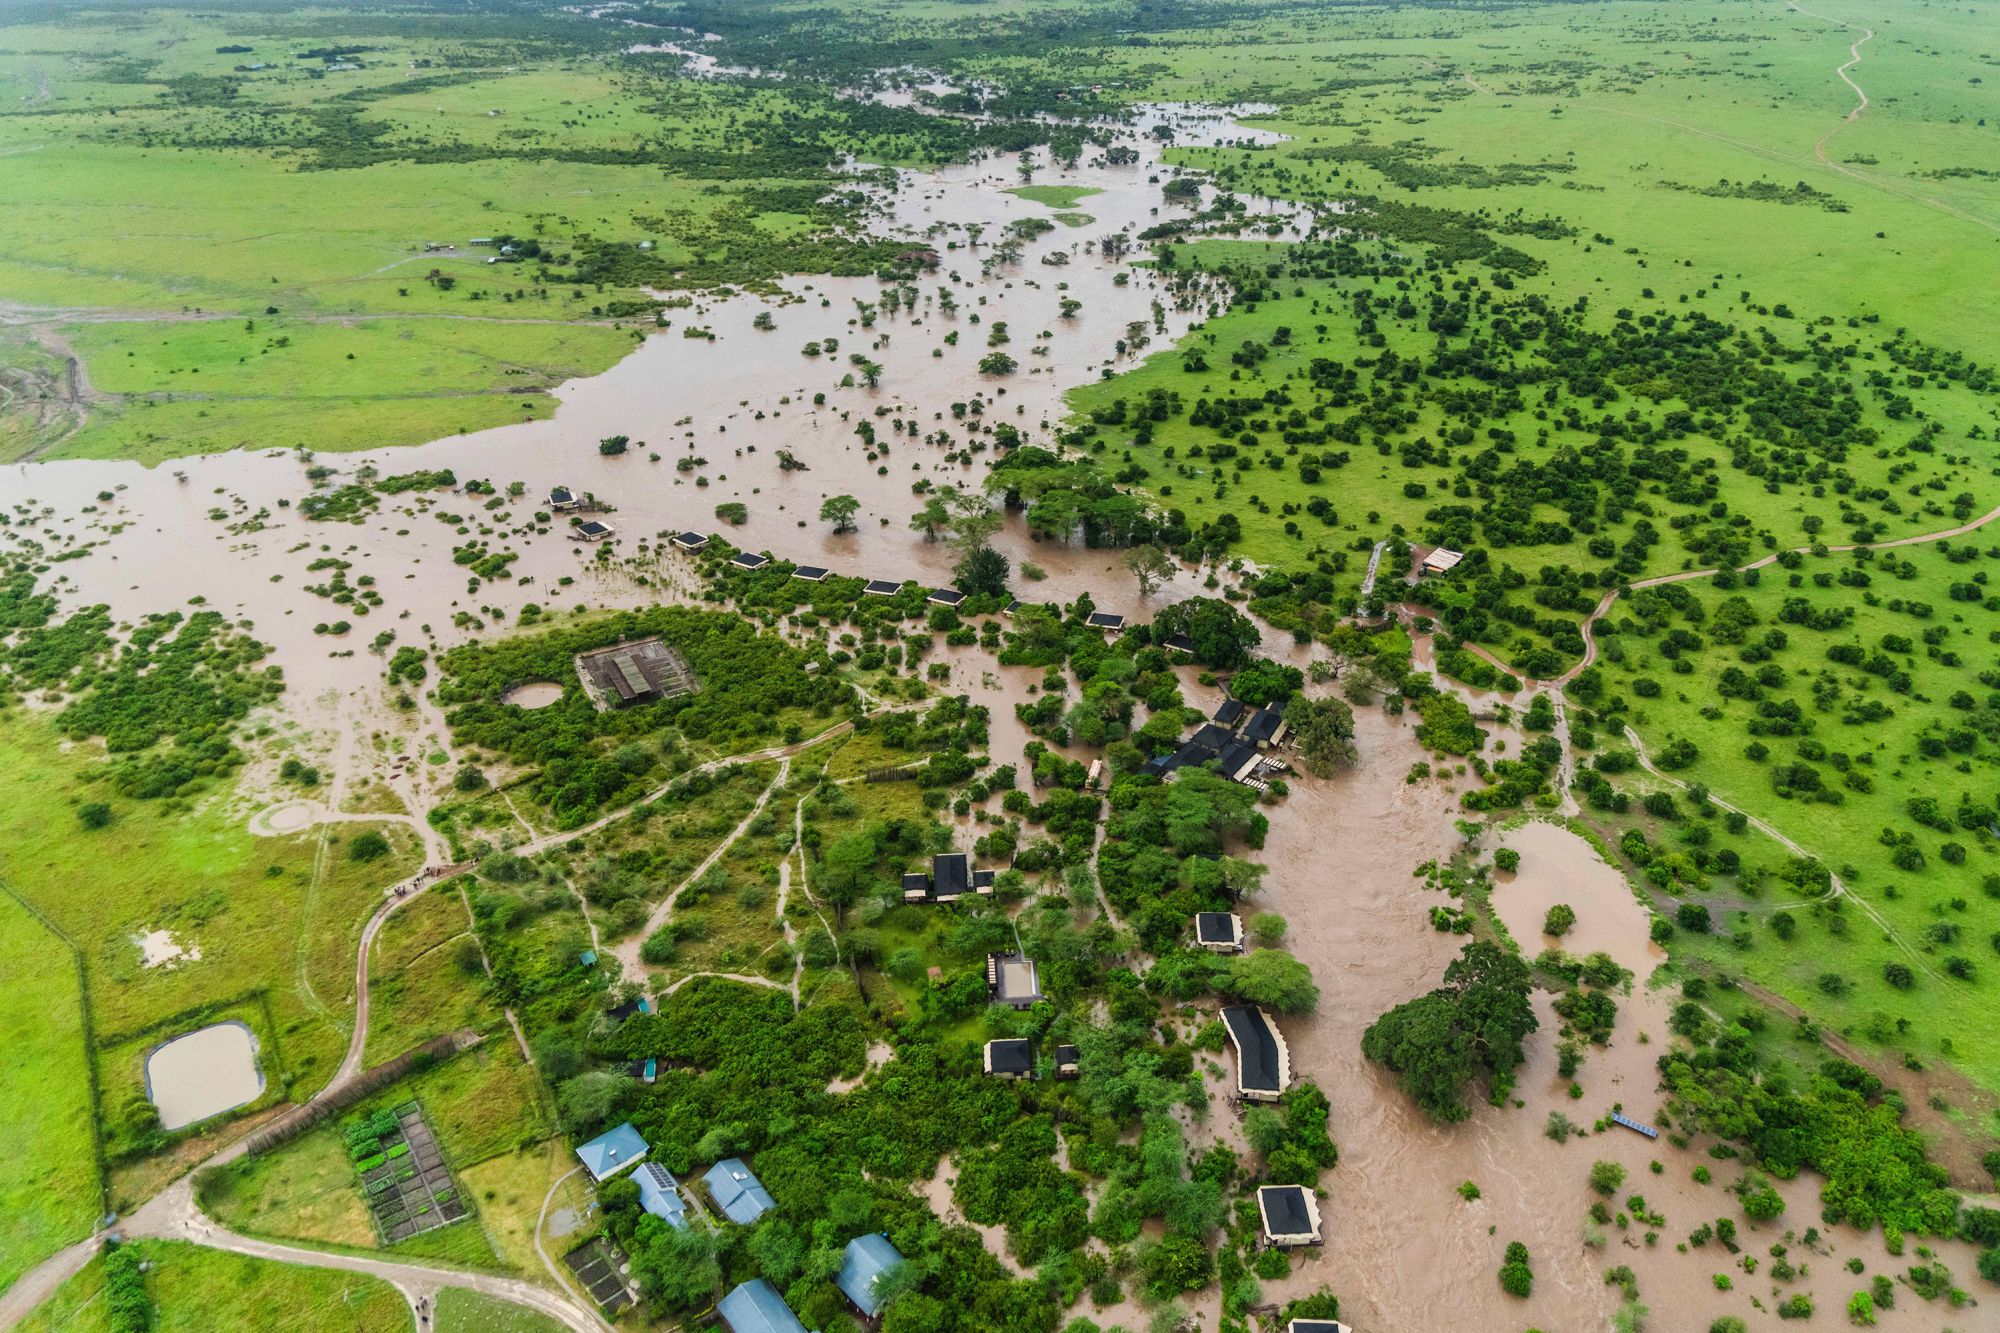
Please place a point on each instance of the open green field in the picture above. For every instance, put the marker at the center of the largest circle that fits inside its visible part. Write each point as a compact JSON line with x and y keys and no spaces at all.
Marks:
{"x":1054,"y":196}
{"x":462,"y":1311}
{"x":195,"y":1290}
{"x":277,"y":921}
{"x":1877,"y":761}
{"x":485,"y":1105}
{"x":51,"y":1196}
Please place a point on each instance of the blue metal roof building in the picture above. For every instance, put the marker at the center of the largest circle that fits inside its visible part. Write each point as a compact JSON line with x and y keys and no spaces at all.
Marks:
{"x":868,"y":1257}
{"x":756,"y":1307}
{"x":612,"y":1151}
{"x":660,"y":1194}
{"x":740,"y":1195}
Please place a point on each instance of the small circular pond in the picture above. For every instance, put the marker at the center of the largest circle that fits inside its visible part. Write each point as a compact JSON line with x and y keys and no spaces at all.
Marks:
{"x":203,"y":1073}
{"x":534,"y":694}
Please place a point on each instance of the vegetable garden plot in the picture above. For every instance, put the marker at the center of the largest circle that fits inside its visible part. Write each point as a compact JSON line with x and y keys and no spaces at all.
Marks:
{"x":600,"y":1266}
{"x":403,"y":1173}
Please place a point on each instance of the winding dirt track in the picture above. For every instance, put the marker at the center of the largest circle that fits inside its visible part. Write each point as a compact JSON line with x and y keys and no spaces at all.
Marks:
{"x":1604,"y":605}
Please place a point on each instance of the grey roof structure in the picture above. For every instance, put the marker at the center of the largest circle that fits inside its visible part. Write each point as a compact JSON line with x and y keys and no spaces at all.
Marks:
{"x":945,"y":596}
{"x":867,"y":1258}
{"x":749,"y":560}
{"x":756,"y":1307}
{"x":1010,"y":1055}
{"x":739,"y":1194}
{"x":660,"y":1193}
{"x":1265,"y":727}
{"x":1011,"y":979}
{"x":1263,"y":1065}
{"x":690,"y":541}
{"x":1105,"y":620}
{"x":882,"y":588}
{"x":810,"y":573}
{"x":1217,"y":929}
{"x":1290,"y":1214}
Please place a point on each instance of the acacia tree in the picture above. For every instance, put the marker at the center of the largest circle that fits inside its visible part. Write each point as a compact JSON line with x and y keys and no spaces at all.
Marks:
{"x":1151,"y":566}
{"x":840,"y":510}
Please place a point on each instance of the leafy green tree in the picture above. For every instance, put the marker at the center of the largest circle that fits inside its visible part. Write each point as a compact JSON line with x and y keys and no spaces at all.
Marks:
{"x":586,"y":1101}
{"x":840,"y":510}
{"x":1273,"y":979}
{"x":981,"y":571}
{"x":1559,"y":920}
{"x":1476,"y":1020}
{"x":1323,"y":730}
{"x":676,"y":1266}
{"x":1223,"y":637}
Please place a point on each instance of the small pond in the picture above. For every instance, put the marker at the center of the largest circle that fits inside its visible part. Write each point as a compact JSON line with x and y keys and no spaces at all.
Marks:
{"x":204,"y":1073}
{"x":535,"y":694}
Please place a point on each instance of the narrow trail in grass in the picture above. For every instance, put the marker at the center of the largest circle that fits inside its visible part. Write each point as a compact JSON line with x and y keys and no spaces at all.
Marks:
{"x":630,"y":965}
{"x":1838,"y":887}
{"x":1605,"y":604}
{"x":1853,"y":59}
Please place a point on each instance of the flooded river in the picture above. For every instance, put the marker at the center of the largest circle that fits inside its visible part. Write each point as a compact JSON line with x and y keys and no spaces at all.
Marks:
{"x":1404,"y":1251}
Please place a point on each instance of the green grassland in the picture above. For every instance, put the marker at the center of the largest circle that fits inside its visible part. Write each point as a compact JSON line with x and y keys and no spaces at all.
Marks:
{"x":1054,"y":196}
{"x":462,"y":1311}
{"x":277,"y":920}
{"x":420,"y":983}
{"x":484,"y":1105}
{"x":194,"y":1290}
{"x":51,"y":1195}
{"x":151,"y":182}
{"x":1905,"y":732}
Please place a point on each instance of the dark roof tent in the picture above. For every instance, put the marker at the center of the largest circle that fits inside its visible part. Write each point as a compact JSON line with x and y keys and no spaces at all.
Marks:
{"x":1066,"y":1055}
{"x":561,"y":496}
{"x":982,"y":879}
{"x":1013,"y":1055}
{"x":1231,"y":712}
{"x":951,"y":874}
{"x":945,"y":596}
{"x":1235,"y":757}
{"x":1264,"y":724}
{"x":1285,"y":1210}
{"x":1180,"y":643}
{"x":810,"y":573}
{"x":592,"y":528}
{"x":882,"y":588}
{"x":1106,"y":620}
{"x":1316,"y":1326}
{"x":1215,"y":927}
{"x":690,"y":541}
{"x":1211,"y":738}
{"x":1256,"y":1048}
{"x":1158,"y":766}
{"x":749,"y":560}
{"x":1011,"y":607}
{"x":916,"y":880}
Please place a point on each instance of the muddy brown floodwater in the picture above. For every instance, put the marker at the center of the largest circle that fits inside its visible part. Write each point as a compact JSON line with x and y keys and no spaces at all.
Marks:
{"x":1403,"y":1250}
